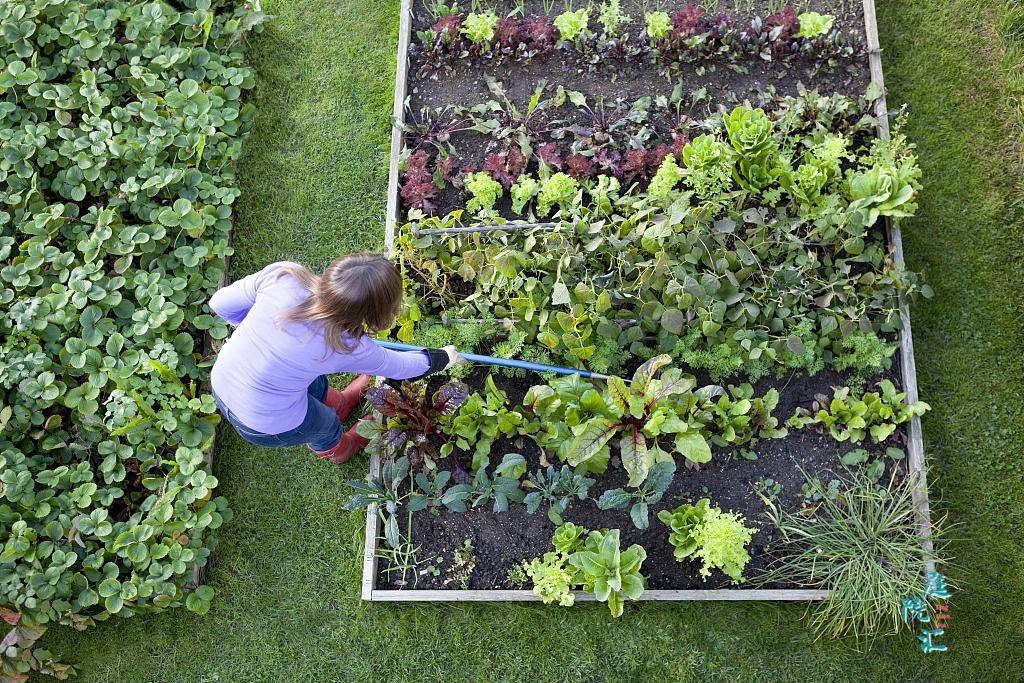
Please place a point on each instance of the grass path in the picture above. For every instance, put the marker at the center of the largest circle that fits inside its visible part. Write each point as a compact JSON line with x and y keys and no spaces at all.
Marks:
{"x":287,"y":568}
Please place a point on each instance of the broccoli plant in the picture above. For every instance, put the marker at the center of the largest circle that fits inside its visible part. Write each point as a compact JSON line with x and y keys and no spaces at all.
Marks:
{"x":408,"y":421}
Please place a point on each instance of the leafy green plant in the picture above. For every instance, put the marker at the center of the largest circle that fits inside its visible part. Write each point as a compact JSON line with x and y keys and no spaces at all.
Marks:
{"x":385,"y":492}
{"x":889,"y":183}
{"x":851,"y":417}
{"x":709,"y":168}
{"x":573,"y":24}
{"x":647,"y":415}
{"x":556,"y":489}
{"x":552,"y":579}
{"x":657,"y":24}
{"x":559,"y":190}
{"x":591,"y":560}
{"x":484,"y":193}
{"x":522,"y":192}
{"x":479,"y":27}
{"x":409,"y":419}
{"x":813,"y":24}
{"x":503,"y":488}
{"x":662,"y":187}
{"x":121,"y":129}
{"x":873,"y":464}
{"x":751,"y":136}
{"x":866,"y":354}
{"x":481,"y":420}
{"x":640,"y":499}
{"x":611,"y":574}
{"x":611,"y":16}
{"x":683,"y":523}
{"x":718,"y":539}
{"x":863,"y":546}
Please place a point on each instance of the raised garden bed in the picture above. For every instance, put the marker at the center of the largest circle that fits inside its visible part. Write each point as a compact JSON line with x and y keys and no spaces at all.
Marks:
{"x":479,"y":547}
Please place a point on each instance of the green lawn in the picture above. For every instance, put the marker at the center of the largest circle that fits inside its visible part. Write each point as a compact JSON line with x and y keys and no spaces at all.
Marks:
{"x":287,"y":569}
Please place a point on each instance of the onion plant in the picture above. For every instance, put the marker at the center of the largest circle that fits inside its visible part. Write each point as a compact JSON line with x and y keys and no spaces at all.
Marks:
{"x":862,"y":544}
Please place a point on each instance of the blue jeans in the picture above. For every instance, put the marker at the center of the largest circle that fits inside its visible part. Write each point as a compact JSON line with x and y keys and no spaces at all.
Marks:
{"x":321,"y":429}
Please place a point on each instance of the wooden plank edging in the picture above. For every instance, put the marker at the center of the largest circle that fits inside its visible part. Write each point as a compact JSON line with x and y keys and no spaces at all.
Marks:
{"x":908,"y":368}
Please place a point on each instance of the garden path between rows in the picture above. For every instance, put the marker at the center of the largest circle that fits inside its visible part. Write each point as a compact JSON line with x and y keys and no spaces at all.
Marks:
{"x":287,"y":569}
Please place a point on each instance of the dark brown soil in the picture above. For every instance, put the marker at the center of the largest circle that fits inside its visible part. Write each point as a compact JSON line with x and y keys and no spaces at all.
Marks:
{"x":500,"y":541}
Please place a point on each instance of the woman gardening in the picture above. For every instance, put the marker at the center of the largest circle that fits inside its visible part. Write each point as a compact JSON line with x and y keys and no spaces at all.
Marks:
{"x":293,"y":328}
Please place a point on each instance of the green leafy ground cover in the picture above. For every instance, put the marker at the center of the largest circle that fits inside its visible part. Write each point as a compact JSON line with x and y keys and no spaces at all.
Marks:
{"x":287,"y":568}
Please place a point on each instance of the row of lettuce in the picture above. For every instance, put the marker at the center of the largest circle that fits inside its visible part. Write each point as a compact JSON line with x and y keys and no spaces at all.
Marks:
{"x":121,"y":126}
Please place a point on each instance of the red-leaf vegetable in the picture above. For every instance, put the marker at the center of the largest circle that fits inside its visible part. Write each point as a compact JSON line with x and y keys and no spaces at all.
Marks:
{"x":509,"y":34}
{"x":541,"y":34}
{"x":655,"y":157}
{"x":447,"y":166}
{"x":787,"y":21}
{"x":688,"y":21}
{"x":506,"y":166}
{"x":410,"y":419}
{"x":580,"y":167}
{"x":418,"y":187}
{"x":608,"y":161}
{"x":635,"y":166}
{"x":548,"y":153}
{"x":451,"y":23}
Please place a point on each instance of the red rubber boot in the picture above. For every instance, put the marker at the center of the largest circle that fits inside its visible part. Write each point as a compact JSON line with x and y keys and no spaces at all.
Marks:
{"x":349,"y":444}
{"x":344,"y":402}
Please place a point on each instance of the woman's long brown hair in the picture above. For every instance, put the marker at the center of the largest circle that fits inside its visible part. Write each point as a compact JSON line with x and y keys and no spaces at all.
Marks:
{"x":357,"y":294}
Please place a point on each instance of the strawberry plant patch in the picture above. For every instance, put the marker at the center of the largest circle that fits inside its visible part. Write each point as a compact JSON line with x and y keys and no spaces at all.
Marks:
{"x":121,"y":127}
{"x":712,"y":224}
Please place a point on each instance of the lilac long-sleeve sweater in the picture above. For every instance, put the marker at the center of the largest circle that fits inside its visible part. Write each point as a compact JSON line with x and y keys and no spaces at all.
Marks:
{"x":262,"y":372}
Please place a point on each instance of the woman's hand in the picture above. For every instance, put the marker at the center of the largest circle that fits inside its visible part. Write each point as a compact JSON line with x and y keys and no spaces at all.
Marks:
{"x":454,"y":357}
